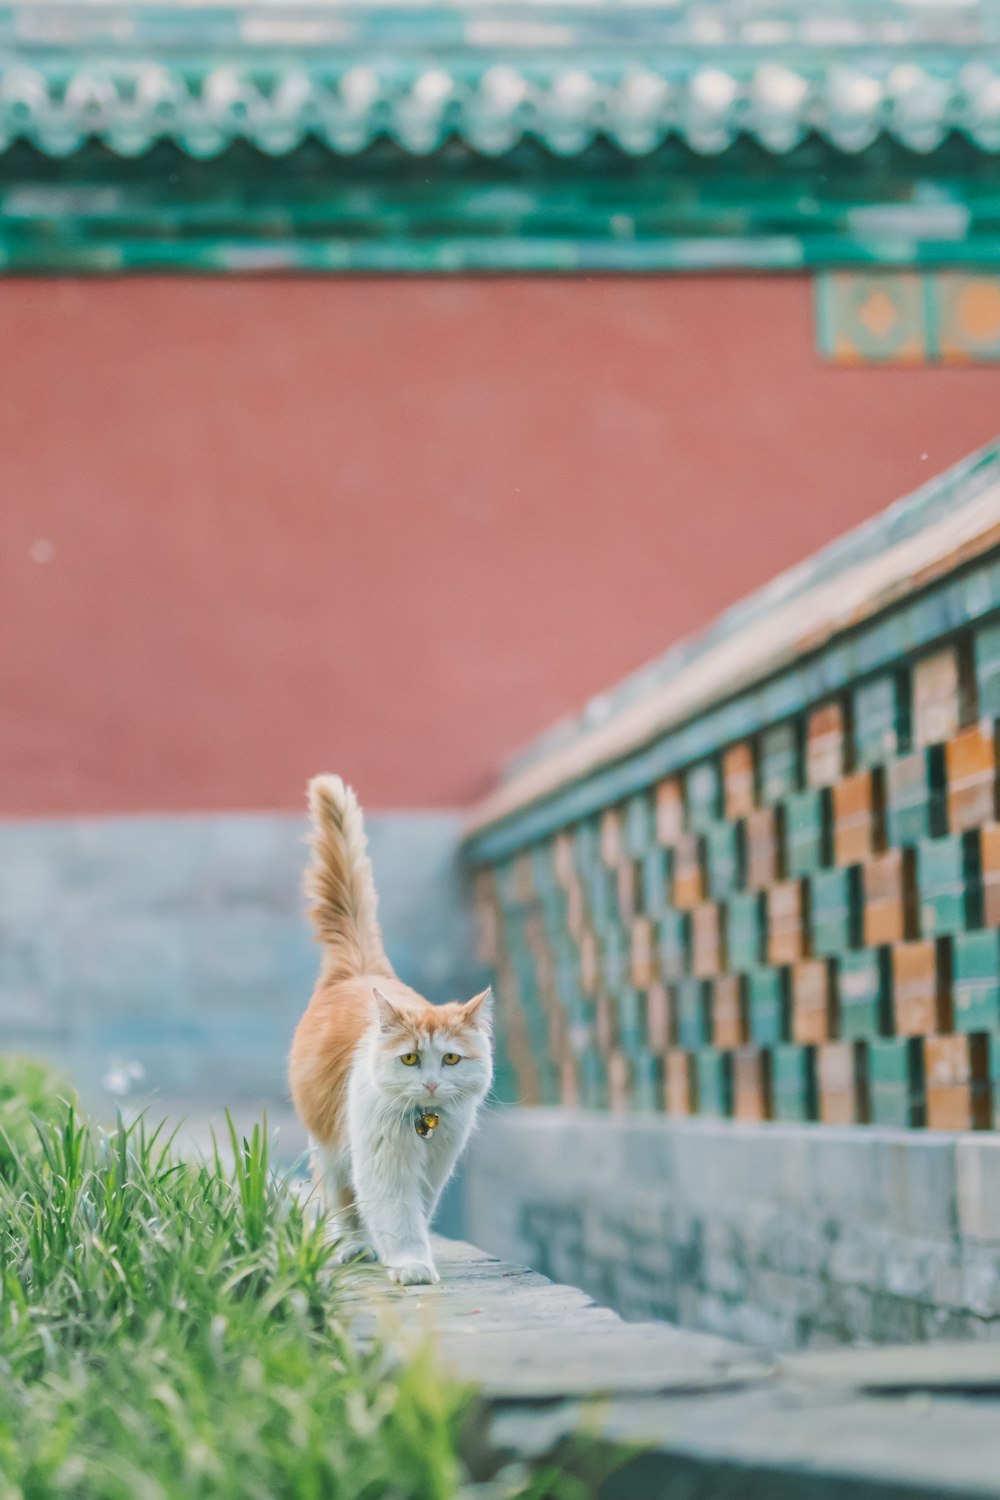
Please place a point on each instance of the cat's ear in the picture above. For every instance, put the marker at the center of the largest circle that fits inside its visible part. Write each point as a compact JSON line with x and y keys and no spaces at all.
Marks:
{"x":479,"y":1010}
{"x":389,"y":1017}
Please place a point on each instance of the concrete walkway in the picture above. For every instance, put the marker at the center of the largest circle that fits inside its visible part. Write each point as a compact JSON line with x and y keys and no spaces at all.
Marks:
{"x":705,"y":1417}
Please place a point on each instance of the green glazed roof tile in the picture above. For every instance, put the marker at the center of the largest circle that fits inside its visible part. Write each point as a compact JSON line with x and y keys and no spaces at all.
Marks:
{"x":491,"y":75}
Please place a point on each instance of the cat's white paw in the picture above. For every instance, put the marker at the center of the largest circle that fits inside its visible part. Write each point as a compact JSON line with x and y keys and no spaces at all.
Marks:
{"x":413,"y":1273}
{"x":353,"y":1249}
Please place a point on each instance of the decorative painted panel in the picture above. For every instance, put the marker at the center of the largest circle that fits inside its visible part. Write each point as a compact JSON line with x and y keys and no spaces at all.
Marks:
{"x":906,"y":318}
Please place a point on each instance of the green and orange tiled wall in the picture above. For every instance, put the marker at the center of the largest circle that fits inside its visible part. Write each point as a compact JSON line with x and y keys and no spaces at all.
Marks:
{"x":800,"y":926}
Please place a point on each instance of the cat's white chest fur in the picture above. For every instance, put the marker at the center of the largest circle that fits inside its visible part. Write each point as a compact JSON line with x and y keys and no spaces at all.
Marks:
{"x":396,"y":1172}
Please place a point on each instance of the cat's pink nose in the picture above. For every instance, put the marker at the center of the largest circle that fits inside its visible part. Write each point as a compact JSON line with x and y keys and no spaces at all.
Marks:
{"x":431,"y":1088}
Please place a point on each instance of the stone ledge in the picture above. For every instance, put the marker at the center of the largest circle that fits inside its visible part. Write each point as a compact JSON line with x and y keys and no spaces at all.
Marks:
{"x":702,"y":1411}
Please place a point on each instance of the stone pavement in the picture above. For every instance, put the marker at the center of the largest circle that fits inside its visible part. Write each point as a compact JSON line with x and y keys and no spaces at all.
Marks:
{"x":704,"y":1416}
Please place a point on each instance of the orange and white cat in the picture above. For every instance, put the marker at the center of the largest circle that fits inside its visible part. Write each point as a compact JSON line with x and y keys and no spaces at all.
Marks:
{"x":387,"y":1084}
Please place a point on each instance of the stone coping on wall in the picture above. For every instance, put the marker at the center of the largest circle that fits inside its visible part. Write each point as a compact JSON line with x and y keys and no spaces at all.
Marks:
{"x":694,"y":1413}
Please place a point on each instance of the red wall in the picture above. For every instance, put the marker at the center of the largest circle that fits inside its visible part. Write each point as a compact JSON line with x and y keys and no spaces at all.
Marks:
{"x":394,"y":528}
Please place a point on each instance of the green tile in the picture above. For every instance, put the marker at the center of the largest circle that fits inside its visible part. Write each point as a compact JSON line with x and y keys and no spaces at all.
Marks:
{"x":656,"y":881}
{"x":587,"y":847}
{"x":693,"y":1030}
{"x":793,"y":1082}
{"x":602,"y":900}
{"x":673,"y":943}
{"x":630,"y":1014}
{"x":914,"y":788}
{"x":881,"y":719}
{"x":549,"y":1081}
{"x":703,"y":795}
{"x":542,"y":869}
{"x":835,"y":911}
{"x":640,"y":825}
{"x":592,"y":1071}
{"x":724,"y":858}
{"x":615,"y":956}
{"x":714,"y":1082}
{"x":567,"y":968}
{"x":780,"y":761}
{"x":896,"y":1081}
{"x":647,"y":1082}
{"x":745,"y":927}
{"x":808,"y":830}
{"x":976,"y":980}
{"x":767,"y":1005}
{"x":948,"y":883}
{"x":865,"y":993}
{"x":986,"y":650}
{"x":505,"y":1088}
{"x":993,"y":1055}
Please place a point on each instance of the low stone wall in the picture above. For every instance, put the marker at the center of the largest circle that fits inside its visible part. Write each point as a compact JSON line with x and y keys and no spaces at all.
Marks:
{"x":779,"y":1235}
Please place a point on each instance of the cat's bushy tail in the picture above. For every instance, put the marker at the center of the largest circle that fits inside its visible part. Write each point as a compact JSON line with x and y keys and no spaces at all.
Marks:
{"x":341,"y":885}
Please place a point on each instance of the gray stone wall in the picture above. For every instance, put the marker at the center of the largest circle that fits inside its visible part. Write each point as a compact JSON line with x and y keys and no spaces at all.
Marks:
{"x":781,"y":1235}
{"x":179,"y":945}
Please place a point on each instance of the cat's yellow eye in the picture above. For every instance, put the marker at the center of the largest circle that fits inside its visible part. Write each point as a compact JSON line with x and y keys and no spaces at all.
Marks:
{"x":451,"y":1058}
{"x":409,"y":1059}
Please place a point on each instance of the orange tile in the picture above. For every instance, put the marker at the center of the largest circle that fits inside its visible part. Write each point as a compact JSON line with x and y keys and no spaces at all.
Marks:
{"x":679,"y":1097}
{"x":826,"y":742}
{"x":937,"y":697}
{"x":611,"y":837}
{"x":957,"y":1078}
{"x":642,"y":952}
{"x":787,"y":932}
{"x":763,"y":848}
{"x":890,"y":913}
{"x":856,"y":818}
{"x":971,"y":777}
{"x":669,"y":811}
{"x":619,"y":1082}
{"x":751,"y":1084}
{"x":589,"y":961}
{"x":811,"y":1001}
{"x":728,"y":1026}
{"x":836,"y":1076}
{"x":706,"y":940}
{"x":688,"y":887}
{"x":919,"y":999}
{"x":738,"y":780}
{"x":989,"y":849}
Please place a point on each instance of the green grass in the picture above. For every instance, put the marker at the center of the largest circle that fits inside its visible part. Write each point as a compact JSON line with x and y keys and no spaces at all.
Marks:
{"x":169,"y":1331}
{"x":29,"y":1091}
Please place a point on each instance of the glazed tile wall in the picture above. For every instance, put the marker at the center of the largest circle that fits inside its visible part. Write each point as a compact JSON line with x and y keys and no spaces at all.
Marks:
{"x":800,"y":925}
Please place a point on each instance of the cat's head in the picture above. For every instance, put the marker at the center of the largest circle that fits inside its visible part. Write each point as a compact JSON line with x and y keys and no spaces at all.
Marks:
{"x":442,"y":1054}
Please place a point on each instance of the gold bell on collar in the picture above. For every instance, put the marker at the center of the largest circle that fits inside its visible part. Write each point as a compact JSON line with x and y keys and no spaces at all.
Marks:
{"x":426,"y":1121}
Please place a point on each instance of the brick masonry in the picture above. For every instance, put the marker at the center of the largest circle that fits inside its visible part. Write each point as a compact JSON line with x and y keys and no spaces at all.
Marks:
{"x":782,"y":1235}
